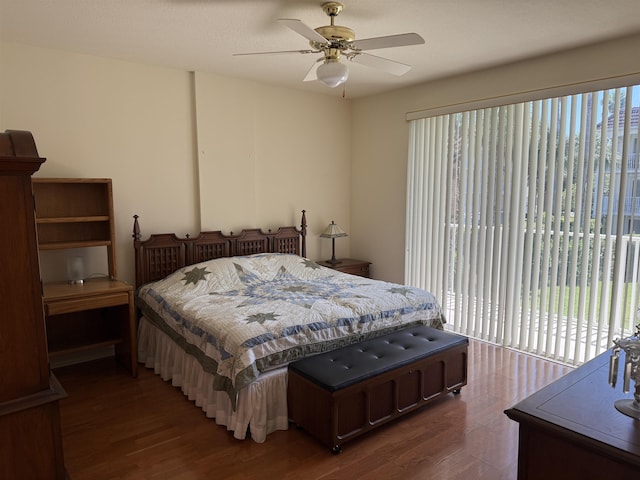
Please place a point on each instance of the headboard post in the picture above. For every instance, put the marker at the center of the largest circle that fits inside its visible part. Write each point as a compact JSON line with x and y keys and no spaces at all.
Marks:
{"x":136,"y":228}
{"x":303,"y":233}
{"x":136,"y":243}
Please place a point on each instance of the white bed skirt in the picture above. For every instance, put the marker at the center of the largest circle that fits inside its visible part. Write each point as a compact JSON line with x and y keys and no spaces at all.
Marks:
{"x":262,"y":405}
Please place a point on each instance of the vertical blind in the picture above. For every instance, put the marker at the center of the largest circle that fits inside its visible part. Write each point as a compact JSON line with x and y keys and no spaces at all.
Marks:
{"x":523,"y":220}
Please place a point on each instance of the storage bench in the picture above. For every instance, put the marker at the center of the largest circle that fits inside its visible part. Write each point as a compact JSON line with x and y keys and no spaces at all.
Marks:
{"x":341,"y":394}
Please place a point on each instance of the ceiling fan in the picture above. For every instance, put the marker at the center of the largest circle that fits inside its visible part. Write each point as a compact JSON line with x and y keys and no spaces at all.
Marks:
{"x":334,"y":41}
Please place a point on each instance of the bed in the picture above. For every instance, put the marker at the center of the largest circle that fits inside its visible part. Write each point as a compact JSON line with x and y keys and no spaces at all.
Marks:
{"x":221,"y":317}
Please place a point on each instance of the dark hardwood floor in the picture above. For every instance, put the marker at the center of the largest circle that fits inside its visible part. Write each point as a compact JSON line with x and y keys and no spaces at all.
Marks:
{"x":118,"y":427}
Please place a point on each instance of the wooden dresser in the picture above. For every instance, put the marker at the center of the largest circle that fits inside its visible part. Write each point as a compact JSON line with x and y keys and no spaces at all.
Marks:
{"x":571,"y":430}
{"x":30,"y":433}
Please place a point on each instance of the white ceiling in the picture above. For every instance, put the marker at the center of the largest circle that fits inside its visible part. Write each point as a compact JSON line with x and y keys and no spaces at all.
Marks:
{"x":202,"y":35}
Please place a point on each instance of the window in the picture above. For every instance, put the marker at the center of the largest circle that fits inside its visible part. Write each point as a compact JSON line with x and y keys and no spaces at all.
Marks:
{"x":523,"y":220}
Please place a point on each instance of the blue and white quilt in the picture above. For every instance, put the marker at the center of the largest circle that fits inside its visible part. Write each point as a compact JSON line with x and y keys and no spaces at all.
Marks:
{"x":240,"y":316}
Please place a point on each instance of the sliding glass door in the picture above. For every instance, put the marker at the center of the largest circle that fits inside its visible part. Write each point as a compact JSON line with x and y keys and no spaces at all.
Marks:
{"x":524,"y":219}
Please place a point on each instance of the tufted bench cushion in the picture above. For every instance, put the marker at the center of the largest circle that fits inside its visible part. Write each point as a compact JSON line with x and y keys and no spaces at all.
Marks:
{"x":337,"y":369}
{"x":340,"y":394}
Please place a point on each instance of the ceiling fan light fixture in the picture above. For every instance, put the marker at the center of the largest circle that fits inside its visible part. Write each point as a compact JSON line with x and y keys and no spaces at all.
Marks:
{"x":332,"y":73}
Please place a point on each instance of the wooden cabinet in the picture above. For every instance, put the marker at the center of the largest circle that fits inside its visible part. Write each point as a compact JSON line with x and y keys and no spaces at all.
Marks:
{"x":30,"y":433}
{"x":349,"y":265}
{"x":95,"y":312}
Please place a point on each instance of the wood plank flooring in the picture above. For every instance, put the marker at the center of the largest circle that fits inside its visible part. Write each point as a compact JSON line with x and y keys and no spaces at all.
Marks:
{"x":118,"y":427}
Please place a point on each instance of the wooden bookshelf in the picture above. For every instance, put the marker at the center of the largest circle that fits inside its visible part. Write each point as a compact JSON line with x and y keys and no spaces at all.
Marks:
{"x":74,"y":213}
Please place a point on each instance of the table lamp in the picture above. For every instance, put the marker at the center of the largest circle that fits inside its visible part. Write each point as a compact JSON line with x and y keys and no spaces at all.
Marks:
{"x":333,"y":231}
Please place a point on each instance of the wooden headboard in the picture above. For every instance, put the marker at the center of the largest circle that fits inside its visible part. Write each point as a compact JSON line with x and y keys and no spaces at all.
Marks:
{"x":164,"y":253}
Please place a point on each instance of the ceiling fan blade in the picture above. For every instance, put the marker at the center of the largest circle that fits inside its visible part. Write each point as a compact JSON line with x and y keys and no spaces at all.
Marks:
{"x":304,"y":30}
{"x":281,"y":52}
{"x":401,"y":40}
{"x":312,"y":74}
{"x":396,"y":68}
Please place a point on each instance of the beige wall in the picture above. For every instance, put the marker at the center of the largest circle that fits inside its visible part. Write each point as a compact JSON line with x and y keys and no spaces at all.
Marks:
{"x":184,"y":147}
{"x":265,"y":153}
{"x":96,"y":117}
{"x":380,"y":135}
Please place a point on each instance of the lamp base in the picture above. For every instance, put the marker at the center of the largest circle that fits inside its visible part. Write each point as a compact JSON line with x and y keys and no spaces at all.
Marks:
{"x":333,"y":261}
{"x":629,"y":407}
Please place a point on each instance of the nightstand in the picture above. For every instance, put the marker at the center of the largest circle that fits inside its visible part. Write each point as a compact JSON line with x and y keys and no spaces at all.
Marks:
{"x":96,"y":313}
{"x":349,"y":265}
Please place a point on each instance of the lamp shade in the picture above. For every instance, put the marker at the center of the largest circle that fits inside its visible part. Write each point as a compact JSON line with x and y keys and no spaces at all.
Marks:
{"x":332,"y":73}
{"x":333,"y":231}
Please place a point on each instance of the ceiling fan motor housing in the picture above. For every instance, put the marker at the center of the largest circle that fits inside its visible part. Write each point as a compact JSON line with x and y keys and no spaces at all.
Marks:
{"x":336,"y":33}
{"x":338,"y":36}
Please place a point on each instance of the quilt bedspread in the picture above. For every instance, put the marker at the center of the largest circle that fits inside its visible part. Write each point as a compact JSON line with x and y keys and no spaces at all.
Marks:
{"x":241,"y":316}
